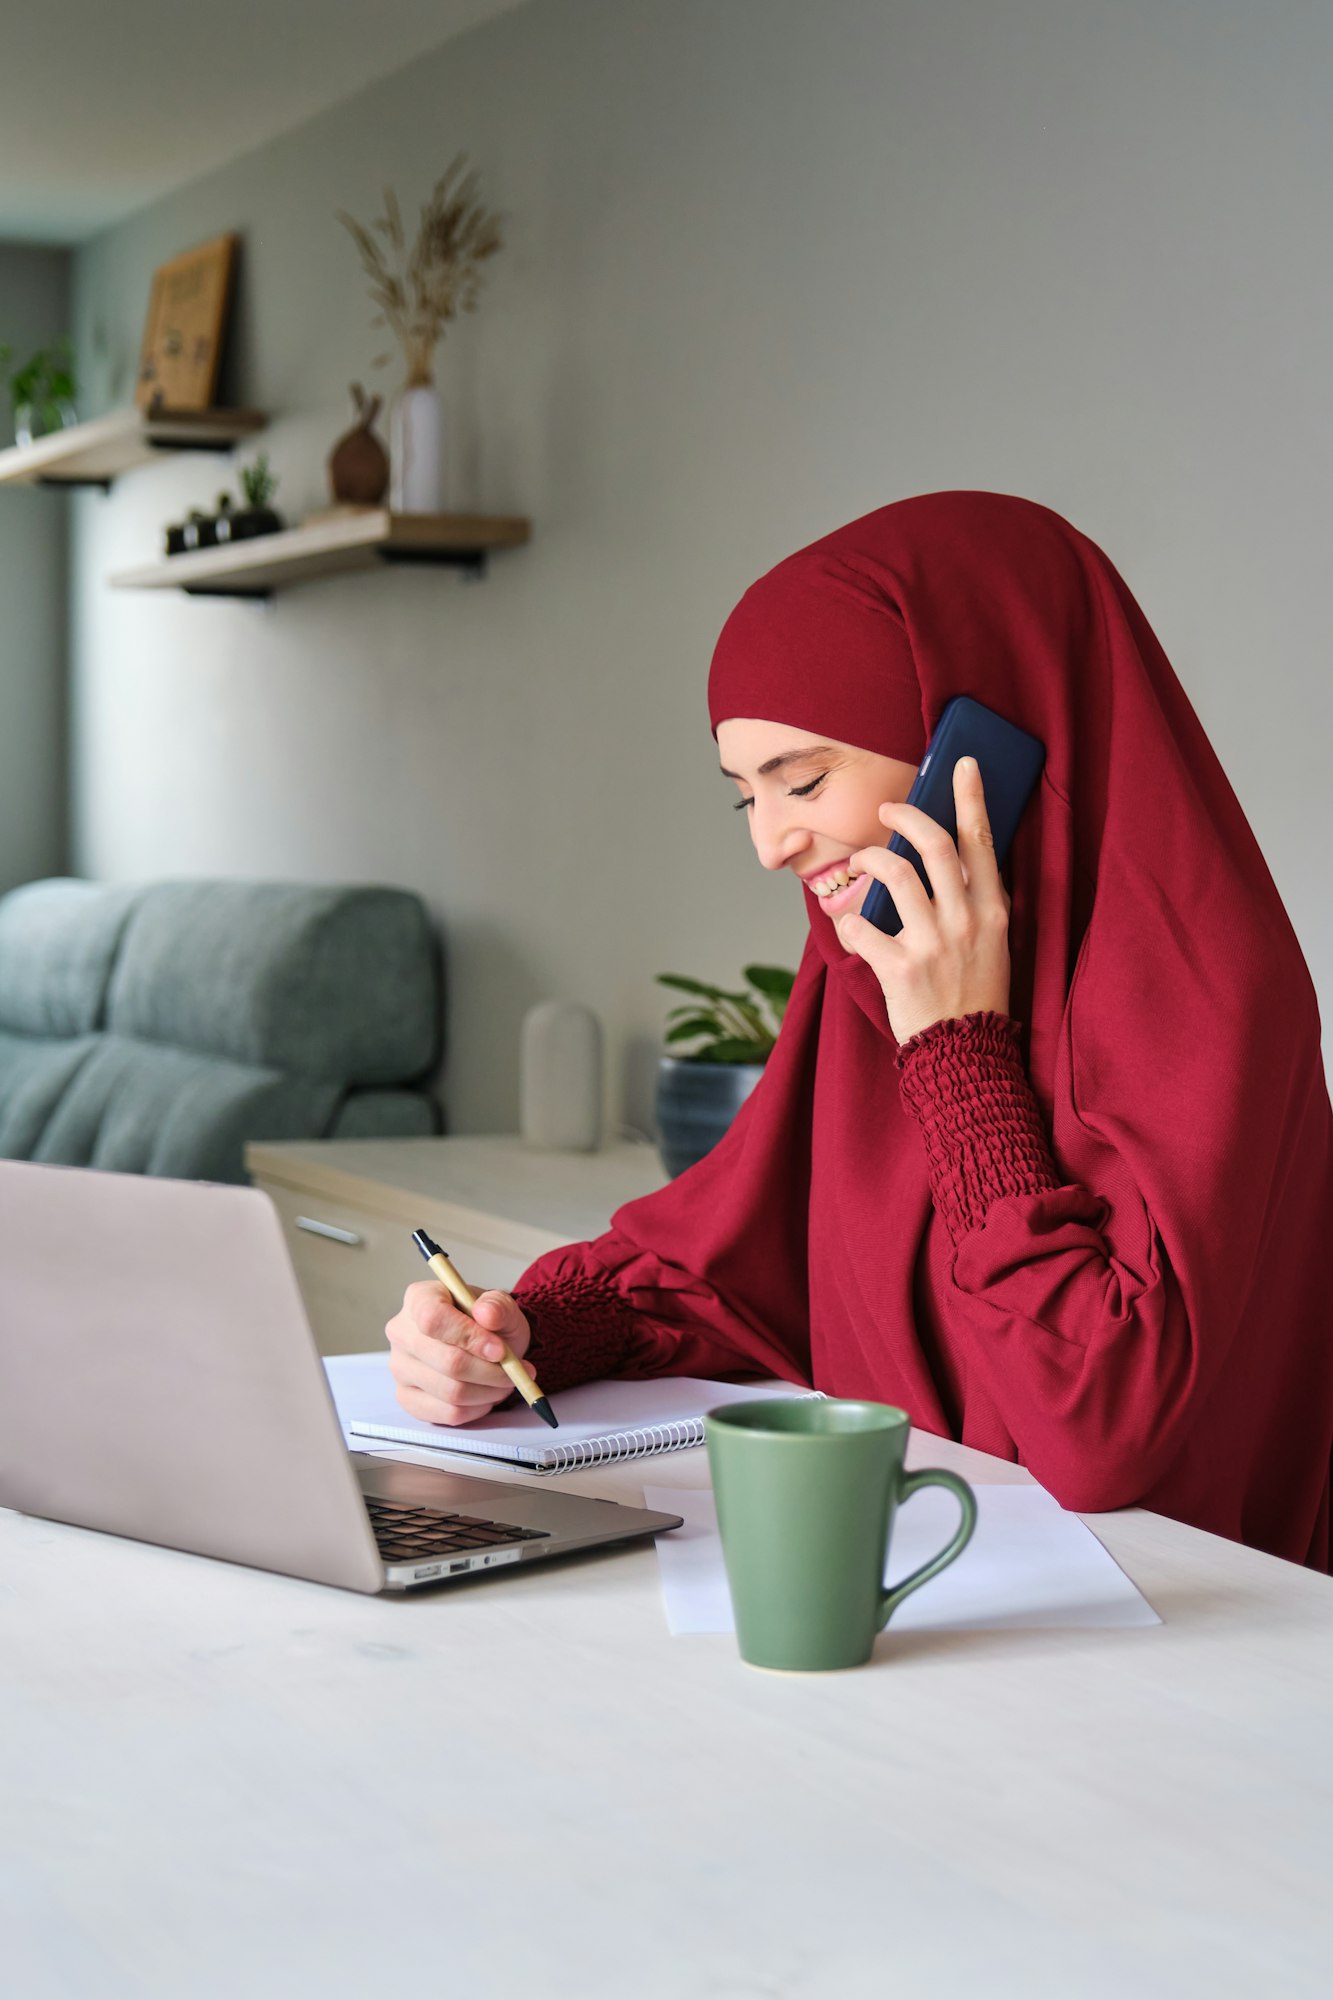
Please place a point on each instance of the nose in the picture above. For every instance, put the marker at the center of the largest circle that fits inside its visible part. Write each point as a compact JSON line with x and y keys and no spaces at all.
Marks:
{"x":778,"y":837}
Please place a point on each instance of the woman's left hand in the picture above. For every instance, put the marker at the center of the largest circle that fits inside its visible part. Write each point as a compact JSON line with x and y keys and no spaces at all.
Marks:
{"x":951,"y":956}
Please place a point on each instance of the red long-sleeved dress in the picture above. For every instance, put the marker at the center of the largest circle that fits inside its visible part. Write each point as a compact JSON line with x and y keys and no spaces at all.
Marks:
{"x":1039,"y":1341}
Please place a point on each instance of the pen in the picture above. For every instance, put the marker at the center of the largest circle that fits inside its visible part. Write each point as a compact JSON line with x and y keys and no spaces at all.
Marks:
{"x":465,"y":1298}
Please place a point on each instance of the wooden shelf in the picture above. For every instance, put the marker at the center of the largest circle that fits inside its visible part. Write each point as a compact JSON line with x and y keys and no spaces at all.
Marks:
{"x":327,"y":547}
{"x":93,"y":454}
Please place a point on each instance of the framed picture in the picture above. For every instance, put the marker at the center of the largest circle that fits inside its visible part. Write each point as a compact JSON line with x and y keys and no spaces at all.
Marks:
{"x":182,"y":340}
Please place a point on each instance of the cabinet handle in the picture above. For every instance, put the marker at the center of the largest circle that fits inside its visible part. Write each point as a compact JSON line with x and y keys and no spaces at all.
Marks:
{"x":329,"y":1229}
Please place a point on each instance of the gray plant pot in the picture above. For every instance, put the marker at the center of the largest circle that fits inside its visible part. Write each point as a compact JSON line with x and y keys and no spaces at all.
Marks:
{"x":696,"y":1102}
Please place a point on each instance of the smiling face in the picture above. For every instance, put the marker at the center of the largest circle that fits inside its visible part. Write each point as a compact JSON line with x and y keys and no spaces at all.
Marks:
{"x":811,"y":802}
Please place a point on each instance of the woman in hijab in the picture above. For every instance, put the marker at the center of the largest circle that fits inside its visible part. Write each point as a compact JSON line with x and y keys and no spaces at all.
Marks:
{"x":1053,"y":1174}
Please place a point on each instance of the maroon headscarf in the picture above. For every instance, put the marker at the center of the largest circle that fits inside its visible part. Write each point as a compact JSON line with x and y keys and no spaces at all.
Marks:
{"x":1157,"y":1329}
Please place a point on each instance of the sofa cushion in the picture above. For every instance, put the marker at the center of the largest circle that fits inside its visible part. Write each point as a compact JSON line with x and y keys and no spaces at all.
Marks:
{"x":326,"y":982}
{"x":386,"y":1114}
{"x":34,"y":1074}
{"x":58,"y":944}
{"x":137,"y":1109}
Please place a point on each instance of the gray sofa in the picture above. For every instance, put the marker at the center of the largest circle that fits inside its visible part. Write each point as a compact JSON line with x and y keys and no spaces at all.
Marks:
{"x":156,"y":1029}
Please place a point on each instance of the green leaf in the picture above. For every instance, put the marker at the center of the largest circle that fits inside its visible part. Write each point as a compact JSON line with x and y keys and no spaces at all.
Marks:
{"x":699,"y":1025}
{"x":774,"y":981}
{"x":737,"y":1052}
{"x":690,"y":986}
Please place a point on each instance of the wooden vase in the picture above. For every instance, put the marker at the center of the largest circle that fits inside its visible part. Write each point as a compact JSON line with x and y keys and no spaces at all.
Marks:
{"x":359,"y":464}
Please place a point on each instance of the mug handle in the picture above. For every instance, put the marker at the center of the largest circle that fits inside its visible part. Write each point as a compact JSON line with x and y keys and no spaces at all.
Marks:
{"x":911,"y":1483}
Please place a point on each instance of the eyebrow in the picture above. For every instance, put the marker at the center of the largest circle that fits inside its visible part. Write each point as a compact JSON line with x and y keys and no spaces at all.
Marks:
{"x":787,"y":757}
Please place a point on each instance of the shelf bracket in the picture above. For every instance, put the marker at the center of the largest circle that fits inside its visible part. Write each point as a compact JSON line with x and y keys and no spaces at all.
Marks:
{"x":470,"y":562}
{"x":48,"y":479}
{"x":192,"y":444}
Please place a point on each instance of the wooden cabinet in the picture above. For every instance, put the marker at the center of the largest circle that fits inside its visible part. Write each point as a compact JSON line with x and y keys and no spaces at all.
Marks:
{"x":349,"y":1206}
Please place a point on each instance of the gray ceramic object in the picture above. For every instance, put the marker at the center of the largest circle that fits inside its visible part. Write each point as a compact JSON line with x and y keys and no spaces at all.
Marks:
{"x":560,"y":1077}
{"x":696,"y":1102}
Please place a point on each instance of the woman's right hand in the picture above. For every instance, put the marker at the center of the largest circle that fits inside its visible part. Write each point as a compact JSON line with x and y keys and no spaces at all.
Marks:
{"x":444,"y":1363}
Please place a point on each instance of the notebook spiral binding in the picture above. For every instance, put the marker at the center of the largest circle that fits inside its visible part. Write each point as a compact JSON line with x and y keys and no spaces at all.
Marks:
{"x":633,"y":1444}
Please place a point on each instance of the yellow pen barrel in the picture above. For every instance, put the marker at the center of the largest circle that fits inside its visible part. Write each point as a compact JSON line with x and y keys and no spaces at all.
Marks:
{"x":465,"y":1298}
{"x":462,"y":1295}
{"x":520,"y":1378}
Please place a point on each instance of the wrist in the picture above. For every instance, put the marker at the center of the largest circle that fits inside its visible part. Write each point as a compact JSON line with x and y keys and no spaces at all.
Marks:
{"x":919,"y":1030}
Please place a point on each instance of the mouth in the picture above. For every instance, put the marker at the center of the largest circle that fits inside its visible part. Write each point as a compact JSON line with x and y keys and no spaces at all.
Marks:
{"x":838,"y":887}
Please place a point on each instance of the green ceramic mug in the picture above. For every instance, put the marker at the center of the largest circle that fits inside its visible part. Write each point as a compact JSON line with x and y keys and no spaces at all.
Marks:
{"x":806,"y":1490}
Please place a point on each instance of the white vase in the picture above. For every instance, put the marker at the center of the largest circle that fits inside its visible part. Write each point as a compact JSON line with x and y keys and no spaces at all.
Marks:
{"x":415,"y":475}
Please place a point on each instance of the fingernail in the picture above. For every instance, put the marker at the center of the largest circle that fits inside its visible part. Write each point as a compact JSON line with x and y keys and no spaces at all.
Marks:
{"x":968,"y":764}
{"x":494,"y":1351}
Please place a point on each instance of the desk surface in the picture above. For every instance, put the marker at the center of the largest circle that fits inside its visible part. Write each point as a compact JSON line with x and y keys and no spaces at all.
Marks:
{"x":216,"y":1782}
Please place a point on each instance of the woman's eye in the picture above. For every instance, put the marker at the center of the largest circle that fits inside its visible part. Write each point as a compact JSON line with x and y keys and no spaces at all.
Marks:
{"x":796,"y":792}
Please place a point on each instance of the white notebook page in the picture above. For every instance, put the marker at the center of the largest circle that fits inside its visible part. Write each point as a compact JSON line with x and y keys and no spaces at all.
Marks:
{"x":593,"y":1418}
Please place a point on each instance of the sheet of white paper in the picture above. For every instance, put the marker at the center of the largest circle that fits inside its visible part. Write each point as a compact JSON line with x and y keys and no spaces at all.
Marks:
{"x":1029,"y":1563}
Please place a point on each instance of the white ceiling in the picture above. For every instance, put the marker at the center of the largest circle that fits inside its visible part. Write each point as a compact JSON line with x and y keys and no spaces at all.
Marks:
{"x":103,"y":108}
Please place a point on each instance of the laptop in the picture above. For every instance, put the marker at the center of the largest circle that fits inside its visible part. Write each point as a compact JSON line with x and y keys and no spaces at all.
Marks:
{"x":159,"y":1380}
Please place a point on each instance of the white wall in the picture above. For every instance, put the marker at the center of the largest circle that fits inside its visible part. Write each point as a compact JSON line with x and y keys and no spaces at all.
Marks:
{"x":770,"y":265}
{"x":34,"y":311}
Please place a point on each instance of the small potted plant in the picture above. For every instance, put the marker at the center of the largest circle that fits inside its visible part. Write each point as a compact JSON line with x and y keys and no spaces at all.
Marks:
{"x":198,"y":531}
{"x":258,"y":516}
{"x":41,"y":392}
{"x":223,"y":518}
{"x":698,"y":1094}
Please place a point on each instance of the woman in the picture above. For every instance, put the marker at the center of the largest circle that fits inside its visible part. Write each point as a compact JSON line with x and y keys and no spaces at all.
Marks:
{"x":1052,"y":1174}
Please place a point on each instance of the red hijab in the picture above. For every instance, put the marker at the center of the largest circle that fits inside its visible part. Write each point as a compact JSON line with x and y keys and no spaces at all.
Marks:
{"x":1156,"y":1329}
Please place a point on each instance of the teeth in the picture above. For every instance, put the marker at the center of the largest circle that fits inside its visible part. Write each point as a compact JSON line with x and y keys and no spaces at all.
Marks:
{"x":829,"y":885}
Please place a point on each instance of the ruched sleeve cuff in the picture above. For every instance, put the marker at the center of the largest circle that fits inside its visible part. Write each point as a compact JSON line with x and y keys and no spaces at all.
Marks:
{"x":963,"y":1081}
{"x":582,"y":1330}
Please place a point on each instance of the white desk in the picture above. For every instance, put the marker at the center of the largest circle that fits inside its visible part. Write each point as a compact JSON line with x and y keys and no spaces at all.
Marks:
{"x":219,"y":1783}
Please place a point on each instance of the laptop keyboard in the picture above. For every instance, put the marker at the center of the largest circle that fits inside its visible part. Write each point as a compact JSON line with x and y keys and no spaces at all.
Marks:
{"x":409,"y":1534}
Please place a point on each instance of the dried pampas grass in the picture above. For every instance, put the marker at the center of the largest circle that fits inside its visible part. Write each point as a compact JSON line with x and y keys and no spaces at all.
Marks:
{"x":419,"y":289}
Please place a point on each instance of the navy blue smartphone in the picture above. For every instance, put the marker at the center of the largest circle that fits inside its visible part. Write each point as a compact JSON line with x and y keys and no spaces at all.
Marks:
{"x":1010,"y":762}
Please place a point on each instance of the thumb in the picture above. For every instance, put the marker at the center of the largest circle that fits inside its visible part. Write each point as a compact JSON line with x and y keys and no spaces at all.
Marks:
{"x":494,"y":1310}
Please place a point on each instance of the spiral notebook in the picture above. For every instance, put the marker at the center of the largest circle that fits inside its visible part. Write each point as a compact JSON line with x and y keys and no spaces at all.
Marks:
{"x":598,"y":1423}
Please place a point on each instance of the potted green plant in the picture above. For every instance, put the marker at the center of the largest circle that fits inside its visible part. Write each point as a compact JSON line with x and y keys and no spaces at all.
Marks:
{"x":230,"y":523}
{"x":258,"y":516}
{"x":699,"y":1093}
{"x":41,"y":392}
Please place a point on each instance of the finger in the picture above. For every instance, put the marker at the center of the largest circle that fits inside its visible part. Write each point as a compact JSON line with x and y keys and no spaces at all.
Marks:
{"x":431,"y":1312}
{"x":857,"y":933}
{"x":976,"y":842}
{"x":498,"y":1313}
{"x":430,"y":1409}
{"x":467,"y":1349}
{"x":934,"y":844}
{"x":459,"y":1395}
{"x":443,"y":1371}
{"x":901,"y":880}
